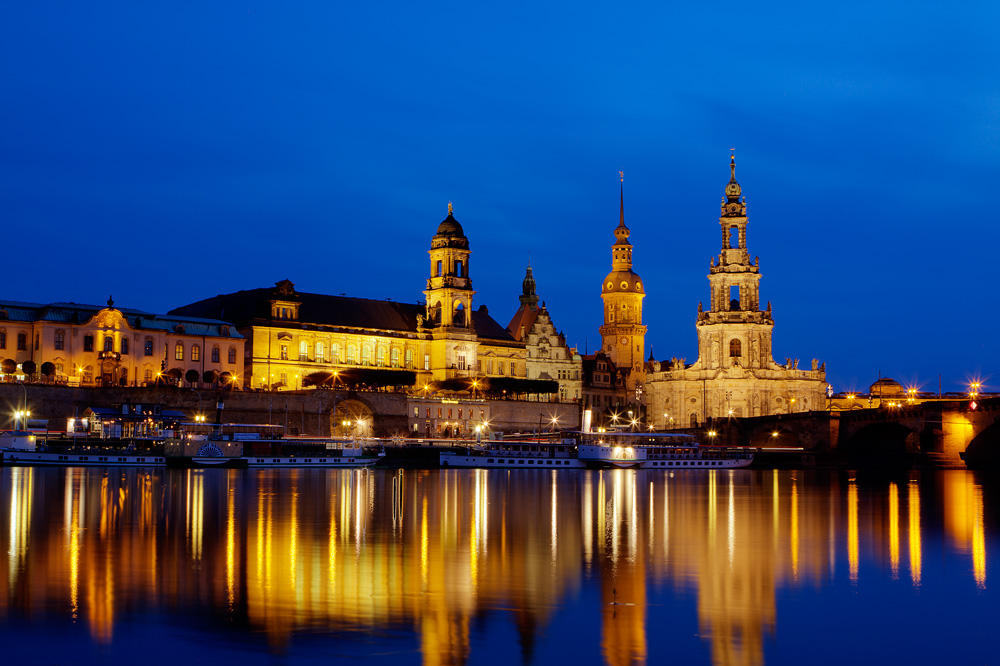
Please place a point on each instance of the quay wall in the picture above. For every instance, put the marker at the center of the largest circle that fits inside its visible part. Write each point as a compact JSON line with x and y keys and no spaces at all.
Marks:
{"x":309,"y":412}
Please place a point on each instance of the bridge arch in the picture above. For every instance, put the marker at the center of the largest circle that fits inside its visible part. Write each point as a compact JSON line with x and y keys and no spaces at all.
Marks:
{"x":984,"y":449}
{"x":884,"y":441}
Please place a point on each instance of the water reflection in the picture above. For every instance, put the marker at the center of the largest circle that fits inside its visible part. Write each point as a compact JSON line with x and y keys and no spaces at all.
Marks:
{"x":436,"y":554}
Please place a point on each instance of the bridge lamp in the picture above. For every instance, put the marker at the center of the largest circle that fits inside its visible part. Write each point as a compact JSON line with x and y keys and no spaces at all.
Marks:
{"x":775,"y":434}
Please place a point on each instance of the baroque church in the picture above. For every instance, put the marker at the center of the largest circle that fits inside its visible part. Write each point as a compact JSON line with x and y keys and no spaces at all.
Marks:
{"x":735,"y":374}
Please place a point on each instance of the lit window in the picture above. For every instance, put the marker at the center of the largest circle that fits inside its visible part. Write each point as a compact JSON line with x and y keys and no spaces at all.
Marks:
{"x":366,"y":355}
{"x":179,"y":351}
{"x":283,"y":354}
{"x":352,"y":354}
{"x":303,"y":350}
{"x":320,"y":352}
{"x":195,"y":353}
{"x":394,"y":358}
{"x":409,"y":358}
{"x":427,"y":361}
{"x":380,"y":356}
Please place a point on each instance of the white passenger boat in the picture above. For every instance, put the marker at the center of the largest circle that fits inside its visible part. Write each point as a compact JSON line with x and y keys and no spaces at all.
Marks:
{"x":258,"y":445}
{"x":656,"y":451}
{"x":23,"y":448}
{"x":520,"y":454}
{"x":598,"y":449}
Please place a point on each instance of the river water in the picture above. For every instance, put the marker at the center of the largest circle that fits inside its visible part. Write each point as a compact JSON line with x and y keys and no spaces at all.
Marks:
{"x":497,"y":567}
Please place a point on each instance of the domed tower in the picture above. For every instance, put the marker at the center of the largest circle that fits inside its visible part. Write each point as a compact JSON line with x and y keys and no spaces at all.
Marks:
{"x":449,"y":289}
{"x":453,"y":349}
{"x":623,"y":334}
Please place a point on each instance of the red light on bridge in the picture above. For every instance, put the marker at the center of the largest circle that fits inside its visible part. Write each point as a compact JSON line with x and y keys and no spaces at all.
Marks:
{"x":973,"y":405}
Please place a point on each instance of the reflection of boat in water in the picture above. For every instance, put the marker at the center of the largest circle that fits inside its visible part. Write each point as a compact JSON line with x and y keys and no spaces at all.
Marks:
{"x":259,"y":445}
{"x":600,"y":449}
{"x":24,"y":448}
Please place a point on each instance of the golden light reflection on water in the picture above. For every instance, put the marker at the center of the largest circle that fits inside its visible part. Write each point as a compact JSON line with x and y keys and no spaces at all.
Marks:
{"x":290,"y":551}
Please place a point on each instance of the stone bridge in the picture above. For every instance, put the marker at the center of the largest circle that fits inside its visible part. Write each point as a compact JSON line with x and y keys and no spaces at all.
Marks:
{"x":939,"y":431}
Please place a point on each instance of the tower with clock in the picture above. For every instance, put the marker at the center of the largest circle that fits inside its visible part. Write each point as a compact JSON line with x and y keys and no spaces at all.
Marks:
{"x":623,"y":333}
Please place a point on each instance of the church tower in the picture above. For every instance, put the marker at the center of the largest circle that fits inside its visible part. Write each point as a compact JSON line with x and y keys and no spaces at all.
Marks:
{"x":735,"y":332}
{"x":623,"y":334}
{"x":449,"y":301}
{"x":735,"y":374}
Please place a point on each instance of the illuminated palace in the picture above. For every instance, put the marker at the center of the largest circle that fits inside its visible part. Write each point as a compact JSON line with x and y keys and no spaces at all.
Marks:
{"x":70,"y":343}
{"x":292,"y":334}
{"x":735,"y":374}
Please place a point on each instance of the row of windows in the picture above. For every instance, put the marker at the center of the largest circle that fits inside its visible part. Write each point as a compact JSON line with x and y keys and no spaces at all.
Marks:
{"x":440,"y":413}
{"x":109,"y":346}
{"x":352,"y":355}
{"x":195,"y":352}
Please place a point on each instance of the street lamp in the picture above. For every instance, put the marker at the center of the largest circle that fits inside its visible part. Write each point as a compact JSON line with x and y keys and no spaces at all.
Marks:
{"x":974,"y":390}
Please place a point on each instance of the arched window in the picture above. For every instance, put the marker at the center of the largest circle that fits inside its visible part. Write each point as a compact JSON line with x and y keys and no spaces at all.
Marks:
{"x":215,"y":354}
{"x":366,"y":355}
{"x":320,"y":352}
{"x":694,"y":420}
{"x":409,"y":358}
{"x":148,"y":348}
{"x":459,"y":318}
{"x":303,"y":350}
{"x":735,"y":348}
{"x":436,"y":312}
{"x":352,"y":354}
{"x":109,"y":343}
{"x":380,"y":356}
{"x":195,"y":353}
{"x":394,"y":358}
{"x":179,"y":351}
{"x":335,"y":352}
{"x":148,"y":375}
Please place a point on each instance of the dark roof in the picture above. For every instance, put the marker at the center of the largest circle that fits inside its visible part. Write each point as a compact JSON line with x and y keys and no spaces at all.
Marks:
{"x":78,"y":313}
{"x":245,"y":308}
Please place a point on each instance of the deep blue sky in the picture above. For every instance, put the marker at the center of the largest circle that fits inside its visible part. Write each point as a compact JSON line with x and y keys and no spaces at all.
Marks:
{"x":167,"y":152}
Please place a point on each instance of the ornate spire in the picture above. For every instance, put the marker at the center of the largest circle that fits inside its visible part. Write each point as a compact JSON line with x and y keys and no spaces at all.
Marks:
{"x":733,"y":189}
{"x":528,"y":296}
{"x":621,"y":174}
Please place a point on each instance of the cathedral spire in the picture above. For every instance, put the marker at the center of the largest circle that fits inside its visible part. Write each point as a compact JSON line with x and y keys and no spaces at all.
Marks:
{"x":528,"y":296}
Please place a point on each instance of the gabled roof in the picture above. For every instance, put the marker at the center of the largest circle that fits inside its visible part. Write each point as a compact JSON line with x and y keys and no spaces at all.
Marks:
{"x":525,"y":316}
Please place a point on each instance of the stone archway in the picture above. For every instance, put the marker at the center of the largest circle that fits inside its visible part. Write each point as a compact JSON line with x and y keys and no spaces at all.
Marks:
{"x":881,"y":443}
{"x":351,"y":418}
{"x":984,"y":449}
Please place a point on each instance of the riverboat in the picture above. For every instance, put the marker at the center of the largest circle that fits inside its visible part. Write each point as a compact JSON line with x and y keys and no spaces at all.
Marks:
{"x":258,"y":445}
{"x":656,"y":451}
{"x":521,"y":454}
{"x":599,"y":449}
{"x":24,"y":448}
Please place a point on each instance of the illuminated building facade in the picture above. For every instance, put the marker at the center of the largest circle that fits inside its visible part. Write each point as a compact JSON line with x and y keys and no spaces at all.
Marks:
{"x":548,"y":355}
{"x":75,"y":344}
{"x":292,"y":334}
{"x":735,"y":374}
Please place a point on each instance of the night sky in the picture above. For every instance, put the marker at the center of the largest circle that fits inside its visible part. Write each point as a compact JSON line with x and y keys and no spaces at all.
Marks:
{"x":168,"y":152}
